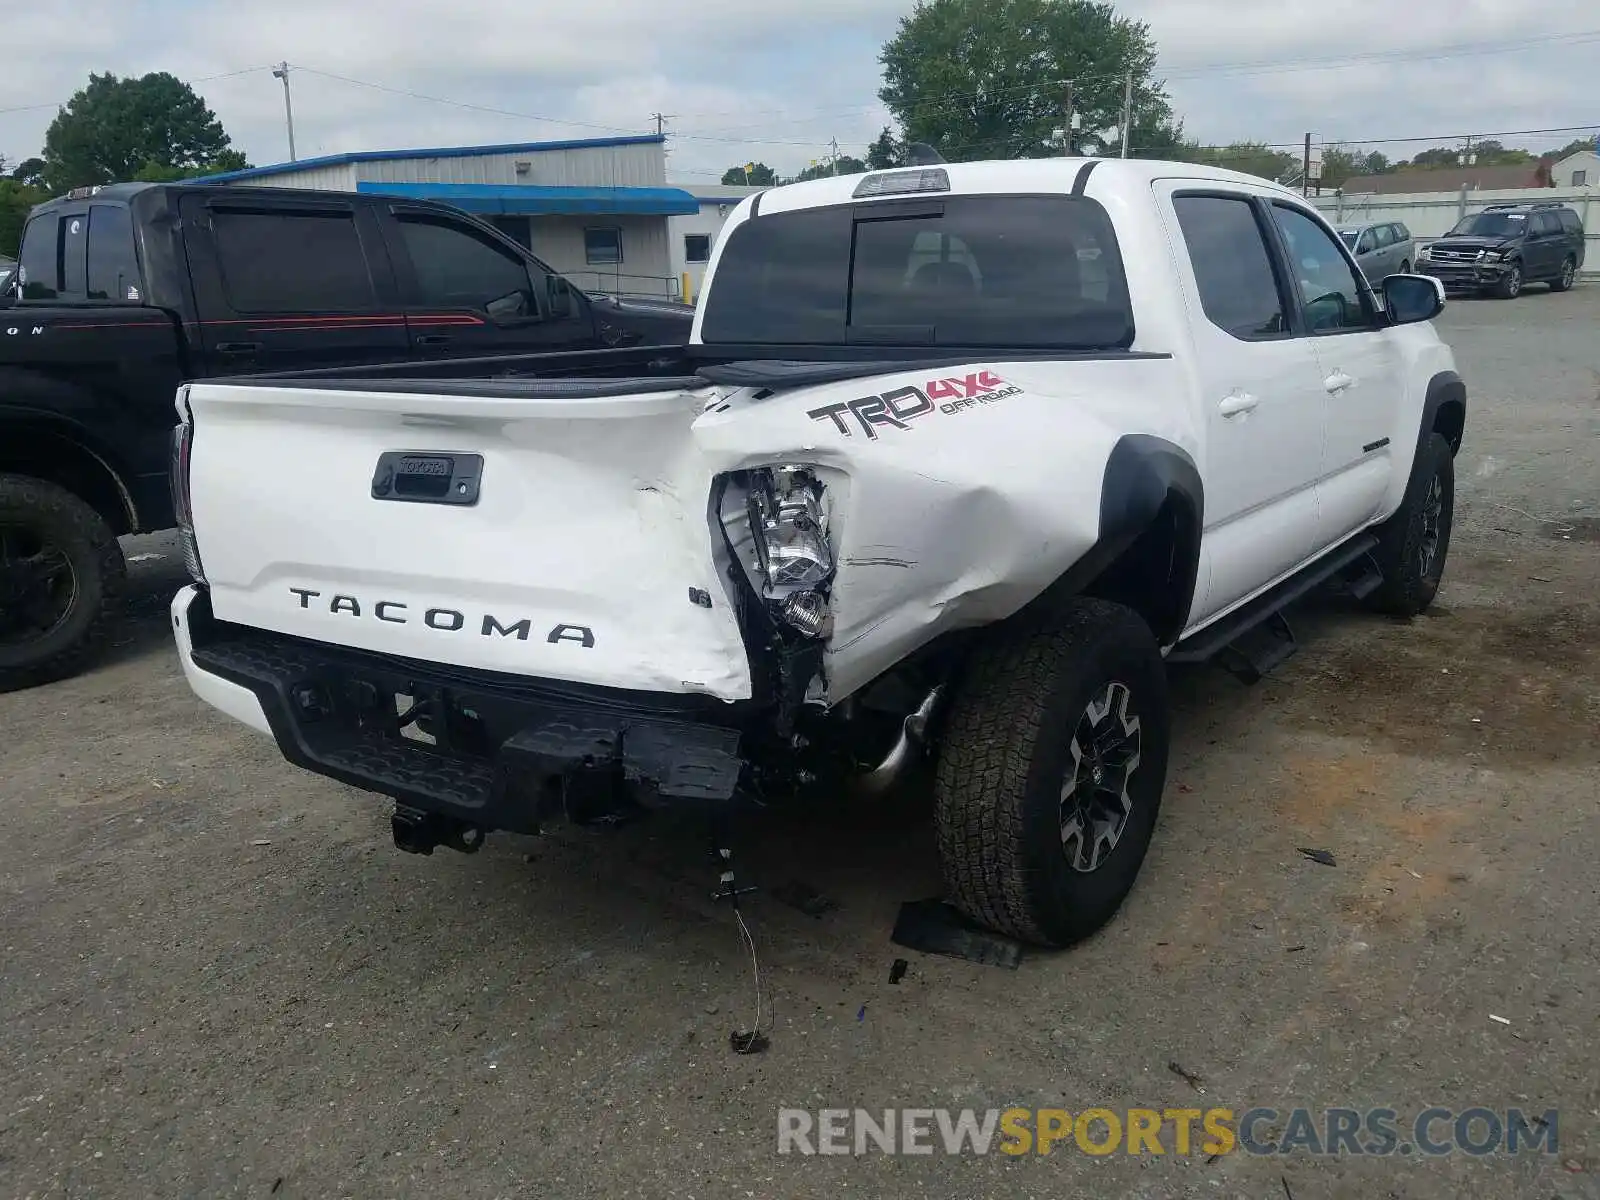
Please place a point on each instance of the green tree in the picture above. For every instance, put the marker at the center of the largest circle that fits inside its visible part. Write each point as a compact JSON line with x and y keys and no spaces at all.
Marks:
{"x":1342,"y":163}
{"x":154,"y":172}
{"x":29,"y":171}
{"x":16,"y":200}
{"x":1572,"y":147}
{"x":888,"y":151}
{"x":987,"y":78}
{"x":844,"y":165}
{"x":115,"y":128}
{"x":751,"y":174}
{"x":1252,"y":158}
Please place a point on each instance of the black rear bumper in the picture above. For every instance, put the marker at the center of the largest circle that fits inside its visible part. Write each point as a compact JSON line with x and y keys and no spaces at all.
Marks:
{"x":486,"y":750}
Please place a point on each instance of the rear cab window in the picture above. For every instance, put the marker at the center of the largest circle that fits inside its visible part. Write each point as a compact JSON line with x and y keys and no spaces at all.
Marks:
{"x":979,"y":271}
{"x":292,"y":261}
{"x":52,"y":259}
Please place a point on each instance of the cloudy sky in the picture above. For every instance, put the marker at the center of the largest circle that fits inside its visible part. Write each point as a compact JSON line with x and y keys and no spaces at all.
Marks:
{"x":775,"y":80}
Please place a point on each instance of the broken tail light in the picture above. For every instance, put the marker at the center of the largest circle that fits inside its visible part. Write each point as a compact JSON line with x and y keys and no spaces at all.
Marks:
{"x":182,"y":453}
{"x":776,"y":519}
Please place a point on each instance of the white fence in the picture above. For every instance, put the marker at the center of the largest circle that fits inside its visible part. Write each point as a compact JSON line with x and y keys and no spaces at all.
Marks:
{"x":1431,"y":214}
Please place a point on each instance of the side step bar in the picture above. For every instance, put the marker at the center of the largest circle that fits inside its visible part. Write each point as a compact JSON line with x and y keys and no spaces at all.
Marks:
{"x":1252,"y":662}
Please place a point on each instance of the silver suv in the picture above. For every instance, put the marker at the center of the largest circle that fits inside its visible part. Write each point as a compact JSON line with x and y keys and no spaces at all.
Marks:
{"x":1384,"y":248}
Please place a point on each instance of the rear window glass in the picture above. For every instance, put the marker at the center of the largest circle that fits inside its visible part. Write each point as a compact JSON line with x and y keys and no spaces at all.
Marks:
{"x":38,"y":261}
{"x":1018,"y":272}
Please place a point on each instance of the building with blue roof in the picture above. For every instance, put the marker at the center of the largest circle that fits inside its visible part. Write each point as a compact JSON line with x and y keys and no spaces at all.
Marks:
{"x":596,"y":210}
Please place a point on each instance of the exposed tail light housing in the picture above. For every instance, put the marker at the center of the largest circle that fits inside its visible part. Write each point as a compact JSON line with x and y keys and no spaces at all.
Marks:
{"x":182,"y":453}
{"x":776,"y":520}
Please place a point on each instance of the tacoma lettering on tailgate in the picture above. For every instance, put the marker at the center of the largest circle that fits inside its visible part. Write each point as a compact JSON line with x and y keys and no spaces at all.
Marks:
{"x":445,"y":620}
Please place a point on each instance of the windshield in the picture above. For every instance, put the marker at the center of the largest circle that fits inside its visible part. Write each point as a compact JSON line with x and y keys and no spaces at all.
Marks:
{"x":1495,"y":225}
{"x":1349,"y":236}
{"x":1025,"y":272}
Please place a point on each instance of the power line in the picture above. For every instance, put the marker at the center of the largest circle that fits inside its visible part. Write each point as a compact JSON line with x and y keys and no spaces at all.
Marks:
{"x":200,"y":79}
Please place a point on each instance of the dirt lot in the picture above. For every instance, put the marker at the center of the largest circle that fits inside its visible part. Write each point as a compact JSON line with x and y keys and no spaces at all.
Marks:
{"x":220,"y":979}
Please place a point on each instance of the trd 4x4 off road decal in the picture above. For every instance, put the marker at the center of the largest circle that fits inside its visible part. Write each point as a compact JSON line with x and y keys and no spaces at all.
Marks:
{"x":896,"y":409}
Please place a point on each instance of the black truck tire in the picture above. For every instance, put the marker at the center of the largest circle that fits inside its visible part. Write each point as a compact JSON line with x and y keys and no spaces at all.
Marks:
{"x":1054,"y":731}
{"x":61,"y":573}
{"x":1510,"y":285}
{"x":1569,"y":272}
{"x":1413,"y":544}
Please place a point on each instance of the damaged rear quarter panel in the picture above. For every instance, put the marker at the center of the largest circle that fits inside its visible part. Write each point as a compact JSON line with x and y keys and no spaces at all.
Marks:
{"x":966,"y":491}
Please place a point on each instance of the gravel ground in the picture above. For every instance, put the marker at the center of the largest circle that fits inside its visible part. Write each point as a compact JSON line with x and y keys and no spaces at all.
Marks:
{"x":221,"y":980}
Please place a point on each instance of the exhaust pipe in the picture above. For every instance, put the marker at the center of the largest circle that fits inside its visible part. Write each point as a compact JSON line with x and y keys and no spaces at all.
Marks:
{"x":912,"y":741}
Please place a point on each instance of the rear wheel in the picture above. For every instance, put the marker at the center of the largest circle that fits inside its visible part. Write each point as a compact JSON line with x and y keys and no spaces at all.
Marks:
{"x":1569,"y":272}
{"x":1413,"y":544}
{"x":1510,"y":285}
{"x":1051,"y":768}
{"x":61,"y":571}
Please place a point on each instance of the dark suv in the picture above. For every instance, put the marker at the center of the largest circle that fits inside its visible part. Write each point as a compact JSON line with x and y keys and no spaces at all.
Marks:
{"x":1505,"y":246}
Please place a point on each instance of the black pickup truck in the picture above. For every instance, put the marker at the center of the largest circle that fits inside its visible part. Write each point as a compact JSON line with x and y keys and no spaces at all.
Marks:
{"x":124,"y":292}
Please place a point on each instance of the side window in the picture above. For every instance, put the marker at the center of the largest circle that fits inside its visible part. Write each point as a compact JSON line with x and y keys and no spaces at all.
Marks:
{"x":602,"y":247}
{"x":1231,"y":265}
{"x":292,"y":262}
{"x":1570,"y":222}
{"x":113,"y":268}
{"x":696,"y":247}
{"x":1330,"y":290}
{"x":38,"y":262}
{"x":1401,"y":233}
{"x":1546,"y":224}
{"x":457,"y":267}
{"x":1368,"y":242}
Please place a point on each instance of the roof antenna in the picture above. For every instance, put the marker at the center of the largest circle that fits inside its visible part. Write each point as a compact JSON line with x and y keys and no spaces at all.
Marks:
{"x":920,"y":154}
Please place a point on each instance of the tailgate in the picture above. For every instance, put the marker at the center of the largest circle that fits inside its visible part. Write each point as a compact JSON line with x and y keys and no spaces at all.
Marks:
{"x":348,"y":516}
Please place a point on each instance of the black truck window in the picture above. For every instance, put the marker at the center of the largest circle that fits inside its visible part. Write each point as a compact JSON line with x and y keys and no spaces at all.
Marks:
{"x":113,"y":267}
{"x":74,"y":256}
{"x":39,"y":260}
{"x":292,"y":261}
{"x":458,"y":268}
{"x":1035,"y":272}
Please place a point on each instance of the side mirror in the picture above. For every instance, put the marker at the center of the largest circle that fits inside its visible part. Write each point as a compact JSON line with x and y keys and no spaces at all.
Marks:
{"x":1412,"y":298}
{"x":562,"y":298}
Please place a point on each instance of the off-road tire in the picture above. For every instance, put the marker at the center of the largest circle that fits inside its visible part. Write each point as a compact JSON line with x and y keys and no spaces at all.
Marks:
{"x":1510,"y":285}
{"x":1569,"y":272}
{"x":91,"y":549}
{"x":1004,"y":753}
{"x":1409,"y":586}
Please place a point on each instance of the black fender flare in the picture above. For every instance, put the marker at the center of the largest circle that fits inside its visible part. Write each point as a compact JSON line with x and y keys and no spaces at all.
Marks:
{"x":1142,"y":474}
{"x":63,"y":428}
{"x":1446,"y":396}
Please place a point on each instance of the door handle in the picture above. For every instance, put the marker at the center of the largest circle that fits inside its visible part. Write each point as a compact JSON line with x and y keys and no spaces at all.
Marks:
{"x":1236,"y":403}
{"x":432,"y":339}
{"x":1338,"y":382}
{"x":238,"y":347}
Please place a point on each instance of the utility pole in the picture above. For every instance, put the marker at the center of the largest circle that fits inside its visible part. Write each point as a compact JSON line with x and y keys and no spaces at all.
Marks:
{"x":1127,"y":111}
{"x":661,"y":120}
{"x":281,"y":71}
{"x":1070,"y":102}
{"x":1305,"y":169}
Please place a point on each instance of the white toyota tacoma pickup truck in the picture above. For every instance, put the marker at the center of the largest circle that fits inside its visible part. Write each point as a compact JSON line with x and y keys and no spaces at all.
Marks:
{"x":957,"y":457}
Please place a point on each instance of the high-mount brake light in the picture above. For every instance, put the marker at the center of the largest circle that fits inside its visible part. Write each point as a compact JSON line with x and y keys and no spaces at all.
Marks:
{"x":903,"y":183}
